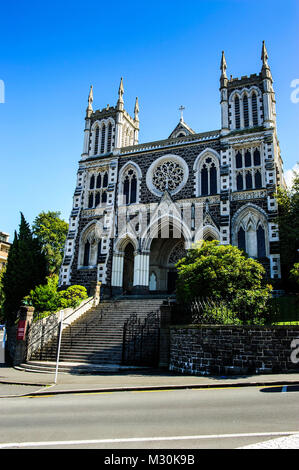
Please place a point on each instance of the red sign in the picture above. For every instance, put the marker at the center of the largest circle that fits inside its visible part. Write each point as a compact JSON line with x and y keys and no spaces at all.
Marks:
{"x":21,"y":330}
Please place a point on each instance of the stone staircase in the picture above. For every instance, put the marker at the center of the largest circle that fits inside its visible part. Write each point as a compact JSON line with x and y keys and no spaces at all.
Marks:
{"x":97,"y":336}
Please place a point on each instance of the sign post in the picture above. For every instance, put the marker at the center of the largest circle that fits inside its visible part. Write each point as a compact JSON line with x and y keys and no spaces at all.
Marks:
{"x":59,"y":342}
{"x":2,"y":343}
{"x":21,"y":330}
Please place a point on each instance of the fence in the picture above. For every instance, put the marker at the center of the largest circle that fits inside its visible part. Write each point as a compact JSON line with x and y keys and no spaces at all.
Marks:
{"x":141,"y":340}
{"x":44,"y":332}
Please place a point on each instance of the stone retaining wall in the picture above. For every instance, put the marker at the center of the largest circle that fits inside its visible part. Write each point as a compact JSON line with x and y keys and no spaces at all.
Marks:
{"x":214,"y":350}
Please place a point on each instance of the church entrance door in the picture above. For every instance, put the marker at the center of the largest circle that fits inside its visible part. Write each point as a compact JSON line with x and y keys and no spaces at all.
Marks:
{"x":128,"y":270}
{"x":165,"y":253}
{"x":171,"y":281}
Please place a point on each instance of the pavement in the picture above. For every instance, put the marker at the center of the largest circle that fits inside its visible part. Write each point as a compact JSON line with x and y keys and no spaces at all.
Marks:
{"x":16,"y":381}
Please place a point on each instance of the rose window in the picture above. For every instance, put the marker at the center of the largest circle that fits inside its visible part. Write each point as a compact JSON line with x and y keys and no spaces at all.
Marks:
{"x":168,"y":176}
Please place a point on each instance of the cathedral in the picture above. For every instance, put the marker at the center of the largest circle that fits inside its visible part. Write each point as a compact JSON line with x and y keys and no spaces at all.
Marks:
{"x":137,"y":207}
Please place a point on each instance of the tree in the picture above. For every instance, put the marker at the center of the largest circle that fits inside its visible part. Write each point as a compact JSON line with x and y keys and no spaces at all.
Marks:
{"x":26,"y":267}
{"x":294,"y":273}
{"x":288,"y":222}
{"x":2,"y":271}
{"x":51,"y":231}
{"x":223,"y":273}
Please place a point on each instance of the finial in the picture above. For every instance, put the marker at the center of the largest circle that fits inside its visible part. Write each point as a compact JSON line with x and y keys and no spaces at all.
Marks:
{"x":264,"y":56}
{"x":121,"y":88}
{"x":136,"y":109}
{"x":89,"y":109}
{"x":223,"y":65}
{"x":266,"y":72}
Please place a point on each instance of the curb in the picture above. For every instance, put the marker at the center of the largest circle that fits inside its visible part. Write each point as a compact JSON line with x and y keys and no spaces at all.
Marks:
{"x":152,"y":388}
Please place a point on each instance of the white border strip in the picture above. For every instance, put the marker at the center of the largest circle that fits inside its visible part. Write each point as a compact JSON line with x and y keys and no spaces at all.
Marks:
{"x":141,"y":439}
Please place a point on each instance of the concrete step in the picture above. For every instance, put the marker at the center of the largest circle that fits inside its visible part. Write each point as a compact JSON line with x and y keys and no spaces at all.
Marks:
{"x":98,"y":334}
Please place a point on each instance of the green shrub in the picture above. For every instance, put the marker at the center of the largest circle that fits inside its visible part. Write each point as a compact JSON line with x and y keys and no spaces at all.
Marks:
{"x":72,"y":296}
{"x":46,"y":299}
{"x":227,"y":276}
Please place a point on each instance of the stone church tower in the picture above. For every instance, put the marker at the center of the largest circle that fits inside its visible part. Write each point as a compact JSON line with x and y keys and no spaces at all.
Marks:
{"x":137,"y":208}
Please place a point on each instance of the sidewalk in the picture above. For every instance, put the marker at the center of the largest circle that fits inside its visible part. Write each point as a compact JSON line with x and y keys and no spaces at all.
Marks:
{"x":15,"y":382}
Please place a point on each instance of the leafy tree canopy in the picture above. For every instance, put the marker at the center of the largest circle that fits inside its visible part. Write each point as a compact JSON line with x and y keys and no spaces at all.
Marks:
{"x":26,"y":267}
{"x":51,"y":231}
{"x":223,"y":273}
{"x":288,"y":222}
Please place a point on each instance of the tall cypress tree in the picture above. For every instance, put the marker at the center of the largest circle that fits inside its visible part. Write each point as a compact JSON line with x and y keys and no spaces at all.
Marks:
{"x":26,"y":268}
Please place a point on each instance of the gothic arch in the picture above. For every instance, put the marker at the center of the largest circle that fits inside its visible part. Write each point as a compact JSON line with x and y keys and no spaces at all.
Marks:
{"x":123,"y":175}
{"x":208,"y":183}
{"x":122,"y":241}
{"x":250,"y":231}
{"x":90,"y":236}
{"x":207,"y":232}
{"x":254,"y":116}
{"x":160,"y":223}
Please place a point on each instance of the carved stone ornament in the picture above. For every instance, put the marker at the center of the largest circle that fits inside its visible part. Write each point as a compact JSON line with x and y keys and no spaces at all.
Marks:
{"x":168,"y":176}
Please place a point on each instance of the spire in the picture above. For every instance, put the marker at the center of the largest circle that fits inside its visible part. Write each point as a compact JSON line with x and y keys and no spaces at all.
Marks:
{"x":223,"y":66}
{"x":264,"y":57}
{"x":120,"y":101}
{"x":136,"y":110}
{"x":89,"y":109}
{"x":121,"y":90}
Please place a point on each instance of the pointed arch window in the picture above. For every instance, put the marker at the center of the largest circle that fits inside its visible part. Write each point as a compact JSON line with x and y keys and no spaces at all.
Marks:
{"x":213,"y":179}
{"x":86,"y":253}
{"x":248,"y":179}
{"x":248,"y":169}
{"x":251,"y":233}
{"x":240,"y":182}
{"x":103,"y":136}
{"x":209,"y":176}
{"x":239,"y":163}
{"x":248,"y":158}
{"x":204,"y":181}
{"x":97,"y":199}
{"x":104,"y":197}
{"x":237,"y":112}
{"x":245,"y":111}
{"x":130,"y":187}
{"x":105,"y":180}
{"x":91,"y":183}
{"x":257,"y":157}
{"x":96,"y":141}
{"x":257,"y":179}
{"x":99,"y":180}
{"x":254,"y":109}
{"x":90,"y":200}
{"x":109,"y":137}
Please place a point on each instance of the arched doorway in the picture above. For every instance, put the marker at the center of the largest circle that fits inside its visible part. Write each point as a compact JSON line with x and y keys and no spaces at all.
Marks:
{"x":164,"y":254}
{"x":128,"y":269}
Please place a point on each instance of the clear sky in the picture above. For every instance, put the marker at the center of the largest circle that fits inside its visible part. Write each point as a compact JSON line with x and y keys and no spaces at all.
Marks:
{"x":168,"y":53}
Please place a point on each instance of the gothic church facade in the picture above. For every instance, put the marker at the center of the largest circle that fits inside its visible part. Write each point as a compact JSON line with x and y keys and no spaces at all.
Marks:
{"x":137,"y":208}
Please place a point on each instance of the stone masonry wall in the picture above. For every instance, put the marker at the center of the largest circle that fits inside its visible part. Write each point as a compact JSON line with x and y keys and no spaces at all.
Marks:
{"x":227,"y":350}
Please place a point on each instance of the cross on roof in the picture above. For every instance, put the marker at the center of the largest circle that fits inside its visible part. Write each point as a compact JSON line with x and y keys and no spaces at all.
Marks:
{"x":181,"y":108}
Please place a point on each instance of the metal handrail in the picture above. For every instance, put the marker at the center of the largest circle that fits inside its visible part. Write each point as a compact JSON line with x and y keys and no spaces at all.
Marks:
{"x":57,"y":325}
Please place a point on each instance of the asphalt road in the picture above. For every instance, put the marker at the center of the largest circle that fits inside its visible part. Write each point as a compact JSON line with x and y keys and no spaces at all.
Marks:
{"x":225,"y":418}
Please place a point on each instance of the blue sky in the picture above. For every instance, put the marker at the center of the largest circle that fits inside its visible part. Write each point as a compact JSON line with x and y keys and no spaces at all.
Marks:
{"x":168,"y":53}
